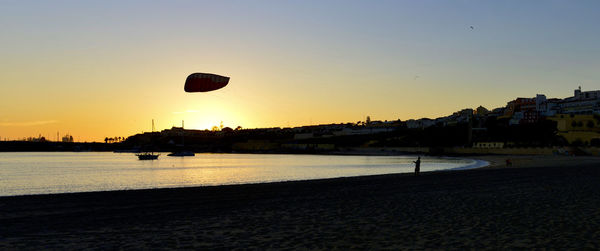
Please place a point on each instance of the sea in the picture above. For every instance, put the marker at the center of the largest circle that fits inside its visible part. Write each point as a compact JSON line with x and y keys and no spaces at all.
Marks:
{"x":29,"y":173}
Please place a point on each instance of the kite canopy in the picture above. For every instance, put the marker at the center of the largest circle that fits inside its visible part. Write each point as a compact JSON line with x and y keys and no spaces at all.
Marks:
{"x":204,"y":82}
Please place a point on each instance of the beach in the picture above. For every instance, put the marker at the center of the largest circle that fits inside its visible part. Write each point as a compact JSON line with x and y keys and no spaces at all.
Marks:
{"x":539,"y":202}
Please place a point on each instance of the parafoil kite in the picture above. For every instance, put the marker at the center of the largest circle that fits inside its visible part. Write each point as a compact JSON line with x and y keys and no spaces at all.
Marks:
{"x":204,"y":82}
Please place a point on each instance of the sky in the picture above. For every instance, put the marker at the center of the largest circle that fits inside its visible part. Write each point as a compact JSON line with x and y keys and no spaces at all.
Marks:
{"x":97,"y":69}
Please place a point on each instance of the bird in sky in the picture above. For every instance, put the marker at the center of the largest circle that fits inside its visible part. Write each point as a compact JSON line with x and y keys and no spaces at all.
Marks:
{"x":472,"y":28}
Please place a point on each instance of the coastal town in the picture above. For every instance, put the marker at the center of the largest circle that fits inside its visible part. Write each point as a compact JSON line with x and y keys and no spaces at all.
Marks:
{"x":538,"y":121}
{"x":526,"y":125}
{"x":300,"y":125}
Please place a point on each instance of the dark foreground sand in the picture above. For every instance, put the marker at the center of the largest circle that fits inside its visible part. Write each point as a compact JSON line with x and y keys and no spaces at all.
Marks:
{"x":555,"y":207}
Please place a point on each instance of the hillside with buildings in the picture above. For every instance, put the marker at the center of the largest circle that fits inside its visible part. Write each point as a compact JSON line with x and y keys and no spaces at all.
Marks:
{"x":550,"y":124}
{"x":524,"y":122}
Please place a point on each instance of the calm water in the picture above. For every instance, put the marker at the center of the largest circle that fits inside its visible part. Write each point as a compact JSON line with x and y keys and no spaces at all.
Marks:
{"x":63,"y":172}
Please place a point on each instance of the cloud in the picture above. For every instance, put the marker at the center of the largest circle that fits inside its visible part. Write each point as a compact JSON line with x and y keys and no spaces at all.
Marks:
{"x":29,"y":123}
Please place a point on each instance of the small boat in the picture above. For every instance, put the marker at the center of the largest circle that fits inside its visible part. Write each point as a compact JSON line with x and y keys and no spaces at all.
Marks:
{"x":147,"y":156}
{"x":181,"y":154}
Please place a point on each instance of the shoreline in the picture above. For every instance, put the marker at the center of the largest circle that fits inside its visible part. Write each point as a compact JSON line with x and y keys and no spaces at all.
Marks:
{"x":476,"y":163}
{"x":493,"y":162}
{"x":485,"y":208}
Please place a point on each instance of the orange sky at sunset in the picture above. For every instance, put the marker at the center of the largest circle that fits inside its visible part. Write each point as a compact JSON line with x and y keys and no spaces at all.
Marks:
{"x":105,"y":69}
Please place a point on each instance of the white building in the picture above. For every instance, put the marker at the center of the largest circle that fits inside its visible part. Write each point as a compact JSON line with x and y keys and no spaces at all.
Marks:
{"x":581,"y":103}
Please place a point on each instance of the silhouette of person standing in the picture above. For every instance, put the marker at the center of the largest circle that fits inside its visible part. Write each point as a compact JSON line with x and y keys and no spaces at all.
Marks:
{"x":417,"y":166}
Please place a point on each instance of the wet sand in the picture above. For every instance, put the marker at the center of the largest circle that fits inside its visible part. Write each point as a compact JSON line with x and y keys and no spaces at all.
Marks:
{"x":539,"y":203}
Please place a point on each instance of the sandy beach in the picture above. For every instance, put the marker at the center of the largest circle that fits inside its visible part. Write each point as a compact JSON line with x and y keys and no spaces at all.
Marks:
{"x":540,"y":202}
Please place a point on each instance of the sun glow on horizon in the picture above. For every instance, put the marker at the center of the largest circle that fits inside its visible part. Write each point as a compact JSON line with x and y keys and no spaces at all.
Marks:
{"x":106,"y":69}
{"x":205,"y":118}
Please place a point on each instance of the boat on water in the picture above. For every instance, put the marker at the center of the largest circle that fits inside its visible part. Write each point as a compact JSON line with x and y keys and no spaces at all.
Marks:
{"x":147,"y":156}
{"x":181,"y":154}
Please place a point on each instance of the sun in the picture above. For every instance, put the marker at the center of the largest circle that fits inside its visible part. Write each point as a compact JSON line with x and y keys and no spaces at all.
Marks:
{"x":206,"y":119}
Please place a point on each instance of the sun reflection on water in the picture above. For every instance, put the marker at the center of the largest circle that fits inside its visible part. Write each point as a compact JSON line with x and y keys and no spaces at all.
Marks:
{"x":43,"y":173}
